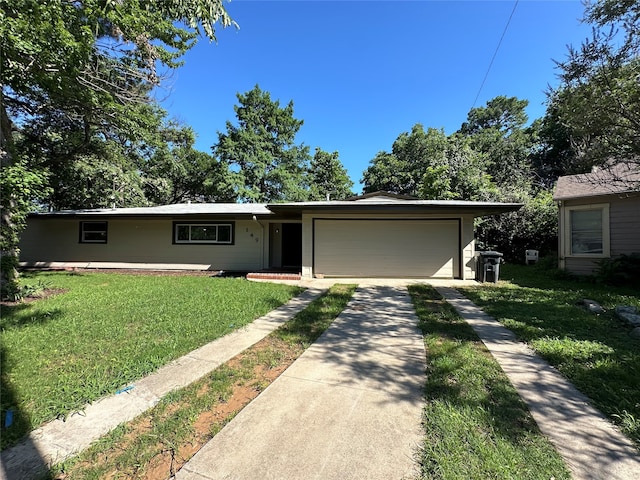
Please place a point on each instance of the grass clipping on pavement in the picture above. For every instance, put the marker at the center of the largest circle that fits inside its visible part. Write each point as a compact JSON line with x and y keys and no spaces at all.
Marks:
{"x":157,"y":443}
{"x":476,"y":425}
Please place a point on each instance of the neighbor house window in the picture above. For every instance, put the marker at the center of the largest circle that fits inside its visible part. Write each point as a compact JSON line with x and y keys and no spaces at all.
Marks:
{"x":93,"y":232}
{"x":589,"y":230}
{"x":216,"y":233}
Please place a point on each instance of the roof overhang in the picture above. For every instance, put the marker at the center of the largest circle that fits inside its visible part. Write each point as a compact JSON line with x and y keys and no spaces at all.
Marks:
{"x":222,"y":210}
{"x":477,"y":209}
{"x":368,"y":205}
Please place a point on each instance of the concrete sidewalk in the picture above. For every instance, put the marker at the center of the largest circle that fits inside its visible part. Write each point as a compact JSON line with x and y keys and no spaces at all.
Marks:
{"x":349,"y":408}
{"x":590,"y":445}
{"x":61,"y":439}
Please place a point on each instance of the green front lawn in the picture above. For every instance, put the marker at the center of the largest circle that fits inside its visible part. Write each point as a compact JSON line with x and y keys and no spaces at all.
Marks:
{"x":107,"y":330}
{"x":476,"y":426}
{"x":595,"y":352}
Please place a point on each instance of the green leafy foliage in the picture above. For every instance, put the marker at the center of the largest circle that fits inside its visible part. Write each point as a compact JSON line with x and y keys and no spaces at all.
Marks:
{"x":622,"y":270}
{"x":21,"y":188}
{"x":327,"y":177}
{"x":598,"y":100}
{"x":534,"y":226}
{"x":402,"y":170}
{"x":75,"y":102}
{"x":489,"y":159}
{"x":261,"y":150}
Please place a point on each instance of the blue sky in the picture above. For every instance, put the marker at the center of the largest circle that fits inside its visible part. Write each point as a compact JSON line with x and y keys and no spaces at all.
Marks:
{"x":361,"y":72}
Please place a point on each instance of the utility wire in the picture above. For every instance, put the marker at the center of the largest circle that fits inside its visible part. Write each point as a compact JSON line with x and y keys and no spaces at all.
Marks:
{"x":506,"y":27}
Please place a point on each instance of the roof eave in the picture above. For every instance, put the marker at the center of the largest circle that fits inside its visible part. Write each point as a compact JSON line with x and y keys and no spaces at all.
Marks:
{"x":476,"y":210}
{"x":148,"y":215}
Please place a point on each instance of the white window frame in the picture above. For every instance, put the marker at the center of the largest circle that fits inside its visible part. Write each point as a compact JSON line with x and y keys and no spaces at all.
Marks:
{"x":606,"y":247}
{"x":84,"y":231}
{"x":216,"y":225}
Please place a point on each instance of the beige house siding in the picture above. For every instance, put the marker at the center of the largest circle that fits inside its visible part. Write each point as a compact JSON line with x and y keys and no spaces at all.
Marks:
{"x":141,"y":240}
{"x":409,"y":257}
{"x":468,"y":249}
{"x":623,"y":229}
{"x":580,"y":266}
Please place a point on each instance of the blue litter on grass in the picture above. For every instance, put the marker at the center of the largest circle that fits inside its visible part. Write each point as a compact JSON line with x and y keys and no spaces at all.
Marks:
{"x":126,"y":389}
{"x":8,"y":418}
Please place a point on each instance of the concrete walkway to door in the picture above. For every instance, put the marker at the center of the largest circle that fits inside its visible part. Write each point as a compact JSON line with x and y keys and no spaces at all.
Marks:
{"x":349,"y":408}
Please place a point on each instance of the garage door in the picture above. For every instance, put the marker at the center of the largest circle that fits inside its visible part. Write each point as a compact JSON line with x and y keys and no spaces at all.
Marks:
{"x":386,"y":248}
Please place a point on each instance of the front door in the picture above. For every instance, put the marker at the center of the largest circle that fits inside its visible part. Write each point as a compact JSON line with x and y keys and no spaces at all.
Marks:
{"x":292,"y":245}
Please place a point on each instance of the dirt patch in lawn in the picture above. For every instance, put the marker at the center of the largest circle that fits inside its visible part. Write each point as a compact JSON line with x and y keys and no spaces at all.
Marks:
{"x":160,"y":456}
{"x":45,"y":293}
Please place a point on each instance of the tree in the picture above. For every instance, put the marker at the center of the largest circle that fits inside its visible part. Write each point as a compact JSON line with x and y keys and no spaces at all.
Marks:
{"x":554,"y":155}
{"x":261,"y":150}
{"x":499,"y":132}
{"x":598,"y":99}
{"x":488,"y":159}
{"x":88,"y":64}
{"x":19,"y":186}
{"x":88,"y":57}
{"x":402,"y":170}
{"x":328,"y":179}
{"x":460,"y":175}
{"x":178,"y":173}
{"x":534,"y":226}
{"x":428,"y":164}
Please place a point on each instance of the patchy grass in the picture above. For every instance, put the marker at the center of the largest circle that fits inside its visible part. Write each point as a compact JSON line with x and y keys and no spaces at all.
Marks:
{"x":107,"y":330}
{"x":157,"y":443}
{"x":595,"y":352}
{"x":476,"y":425}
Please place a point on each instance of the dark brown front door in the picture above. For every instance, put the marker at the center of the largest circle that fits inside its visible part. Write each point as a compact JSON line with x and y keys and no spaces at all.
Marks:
{"x":292,"y":245}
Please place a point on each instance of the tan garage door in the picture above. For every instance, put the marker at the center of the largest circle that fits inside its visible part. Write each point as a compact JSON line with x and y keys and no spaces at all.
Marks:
{"x":386,"y":248}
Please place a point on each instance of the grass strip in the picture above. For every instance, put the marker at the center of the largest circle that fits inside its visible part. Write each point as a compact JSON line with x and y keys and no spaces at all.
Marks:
{"x":594,"y":351}
{"x":157,"y":443}
{"x":476,"y":425}
{"x":107,"y":330}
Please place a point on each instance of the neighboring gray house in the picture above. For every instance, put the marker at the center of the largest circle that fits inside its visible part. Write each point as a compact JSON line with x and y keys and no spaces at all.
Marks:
{"x":374,"y":235}
{"x":599,"y":217}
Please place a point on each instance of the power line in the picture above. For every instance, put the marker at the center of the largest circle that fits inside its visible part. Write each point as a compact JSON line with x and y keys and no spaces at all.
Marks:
{"x":506,"y":27}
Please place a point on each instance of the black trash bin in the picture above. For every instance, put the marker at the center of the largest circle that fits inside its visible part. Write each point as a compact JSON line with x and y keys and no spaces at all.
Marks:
{"x":488,"y":266}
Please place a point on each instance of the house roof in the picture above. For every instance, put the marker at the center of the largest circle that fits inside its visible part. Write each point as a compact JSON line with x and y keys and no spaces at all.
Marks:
{"x":621,"y":178}
{"x":381,"y":194}
{"x":381,"y":202}
{"x":170,"y":210}
{"x":378,"y":201}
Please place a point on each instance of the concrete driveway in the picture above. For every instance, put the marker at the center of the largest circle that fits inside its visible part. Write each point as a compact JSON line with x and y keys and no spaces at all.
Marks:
{"x":349,"y":408}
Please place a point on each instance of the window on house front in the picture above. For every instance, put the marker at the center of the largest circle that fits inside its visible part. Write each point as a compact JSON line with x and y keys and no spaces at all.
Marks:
{"x":215,"y":233}
{"x":589,"y":230}
{"x":93,"y":232}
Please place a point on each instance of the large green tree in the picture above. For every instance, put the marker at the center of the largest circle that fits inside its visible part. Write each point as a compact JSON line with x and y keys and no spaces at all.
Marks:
{"x":429,"y":164}
{"x":261,"y":150}
{"x":89,"y":65}
{"x":597,"y":102}
{"x":327,"y":177}
{"x":177,"y":172}
{"x":489,"y":159}
{"x":460,"y":174}
{"x":499,"y":131}
{"x":401,"y":170}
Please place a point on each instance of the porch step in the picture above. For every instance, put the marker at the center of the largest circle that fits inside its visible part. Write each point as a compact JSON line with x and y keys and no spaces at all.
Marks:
{"x":274,"y":276}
